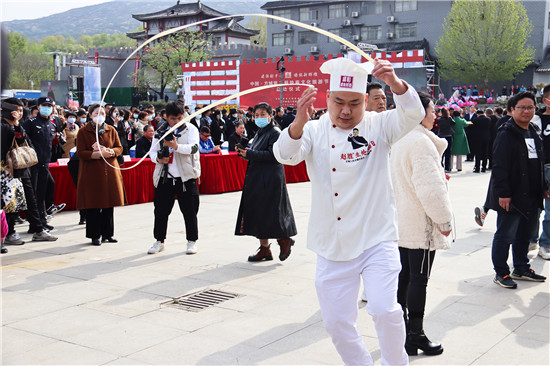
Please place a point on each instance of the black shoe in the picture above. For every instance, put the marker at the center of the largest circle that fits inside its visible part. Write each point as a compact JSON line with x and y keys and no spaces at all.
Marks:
{"x":3,"y":250}
{"x":476,"y":170}
{"x":505,"y":281}
{"x":19,"y":220}
{"x":416,"y":341}
{"x":110,"y":240}
{"x":483,"y":170}
{"x":48,"y":227}
{"x":82,"y":222}
{"x":96,"y":242}
{"x":529,"y":275}
{"x":55,"y":209}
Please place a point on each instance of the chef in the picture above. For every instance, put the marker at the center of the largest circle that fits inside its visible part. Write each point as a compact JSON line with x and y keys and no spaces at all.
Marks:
{"x":353,"y":221}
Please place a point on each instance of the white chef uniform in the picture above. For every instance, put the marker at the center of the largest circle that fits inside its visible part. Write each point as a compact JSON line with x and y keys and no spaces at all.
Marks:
{"x":353,"y":221}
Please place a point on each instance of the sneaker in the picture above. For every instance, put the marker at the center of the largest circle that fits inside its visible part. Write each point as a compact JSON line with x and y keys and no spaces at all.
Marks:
{"x":480,"y":215}
{"x":533,"y":245}
{"x":191,"y":247}
{"x":506,"y":281}
{"x":43,"y":236}
{"x":48,"y":218}
{"x":157,"y":247}
{"x":48,"y":227}
{"x":529,"y":275}
{"x":544,"y":252}
{"x":13,"y":239}
{"x":19,"y":220}
{"x":55,"y":209}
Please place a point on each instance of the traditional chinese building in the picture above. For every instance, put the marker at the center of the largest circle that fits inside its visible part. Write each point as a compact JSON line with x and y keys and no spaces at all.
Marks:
{"x":226,"y":31}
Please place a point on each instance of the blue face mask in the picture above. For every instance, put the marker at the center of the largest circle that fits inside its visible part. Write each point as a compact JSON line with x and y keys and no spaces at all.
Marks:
{"x":136,"y":116}
{"x":149,"y":117}
{"x":83,"y":120}
{"x":45,"y":110}
{"x":261,"y":122}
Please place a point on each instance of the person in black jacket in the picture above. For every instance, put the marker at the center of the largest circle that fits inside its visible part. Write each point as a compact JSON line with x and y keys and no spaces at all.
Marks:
{"x":544,"y":114}
{"x":516,"y":190}
{"x":265,"y":211}
{"x":114,"y":118}
{"x":143,"y":145}
{"x":12,"y":111}
{"x":480,"y":141}
{"x":492,"y":134}
{"x":446,"y":131}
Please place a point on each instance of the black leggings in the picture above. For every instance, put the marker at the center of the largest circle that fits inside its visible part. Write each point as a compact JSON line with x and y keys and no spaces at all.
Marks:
{"x":413,"y":280}
{"x":31,"y":214}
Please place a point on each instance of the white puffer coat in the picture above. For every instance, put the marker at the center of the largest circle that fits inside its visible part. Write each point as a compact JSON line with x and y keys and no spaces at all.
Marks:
{"x":421,"y":194}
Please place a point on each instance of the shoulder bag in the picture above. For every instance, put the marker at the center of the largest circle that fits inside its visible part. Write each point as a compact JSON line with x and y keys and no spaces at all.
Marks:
{"x":22,"y":156}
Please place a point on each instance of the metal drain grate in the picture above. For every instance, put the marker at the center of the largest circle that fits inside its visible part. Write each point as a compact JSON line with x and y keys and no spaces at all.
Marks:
{"x":200,"y":300}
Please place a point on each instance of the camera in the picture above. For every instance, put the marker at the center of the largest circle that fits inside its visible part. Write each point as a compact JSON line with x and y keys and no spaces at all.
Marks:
{"x":243,"y":143}
{"x":164,"y":151}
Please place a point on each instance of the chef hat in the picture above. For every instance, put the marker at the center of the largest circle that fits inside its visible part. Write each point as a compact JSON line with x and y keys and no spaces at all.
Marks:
{"x":347,"y":75}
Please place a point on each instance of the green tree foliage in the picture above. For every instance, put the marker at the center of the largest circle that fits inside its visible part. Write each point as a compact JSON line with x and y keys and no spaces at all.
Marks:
{"x":162,"y":61}
{"x":484,"y":40}
{"x":30,"y":61}
{"x":259,"y":24}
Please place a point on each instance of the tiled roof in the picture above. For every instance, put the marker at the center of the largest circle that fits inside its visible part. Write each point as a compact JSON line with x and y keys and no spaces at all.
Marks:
{"x":545,"y":64}
{"x":180,"y":10}
{"x":232,"y":25}
{"x":286,"y":4}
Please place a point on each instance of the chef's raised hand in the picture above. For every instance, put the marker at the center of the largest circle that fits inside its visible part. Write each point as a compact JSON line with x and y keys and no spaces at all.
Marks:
{"x":384,"y":71}
{"x":303,"y":111}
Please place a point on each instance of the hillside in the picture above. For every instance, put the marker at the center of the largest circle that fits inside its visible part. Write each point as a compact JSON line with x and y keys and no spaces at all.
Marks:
{"x":113,"y":17}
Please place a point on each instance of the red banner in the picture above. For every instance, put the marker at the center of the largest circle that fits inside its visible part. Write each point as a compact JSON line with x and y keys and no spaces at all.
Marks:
{"x":297,"y":70}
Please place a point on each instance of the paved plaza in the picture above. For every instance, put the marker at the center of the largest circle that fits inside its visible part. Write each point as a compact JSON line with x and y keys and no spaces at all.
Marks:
{"x":70,"y":303}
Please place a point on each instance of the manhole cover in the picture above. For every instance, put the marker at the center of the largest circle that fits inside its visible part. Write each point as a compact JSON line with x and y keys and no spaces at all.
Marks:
{"x":200,"y":300}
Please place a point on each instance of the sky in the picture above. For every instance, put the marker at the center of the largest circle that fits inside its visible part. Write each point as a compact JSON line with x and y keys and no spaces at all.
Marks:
{"x":32,"y":9}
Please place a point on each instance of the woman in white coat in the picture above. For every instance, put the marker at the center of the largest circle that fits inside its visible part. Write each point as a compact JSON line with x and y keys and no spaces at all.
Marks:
{"x":424,"y":220}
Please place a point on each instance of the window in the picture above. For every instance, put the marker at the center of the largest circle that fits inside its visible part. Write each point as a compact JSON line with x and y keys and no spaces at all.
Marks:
{"x":285,"y":13}
{"x":337,"y":32}
{"x":371,"y":7}
{"x":282,"y":39}
{"x":307,"y":14}
{"x":405,"y":5}
{"x":405,"y":30}
{"x":371,"y":33}
{"x":337,"y":11}
{"x":216,"y":41}
{"x":308,"y":37}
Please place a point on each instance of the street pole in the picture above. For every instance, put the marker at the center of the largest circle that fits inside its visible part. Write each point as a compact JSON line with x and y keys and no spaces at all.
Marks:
{"x":281,"y":69}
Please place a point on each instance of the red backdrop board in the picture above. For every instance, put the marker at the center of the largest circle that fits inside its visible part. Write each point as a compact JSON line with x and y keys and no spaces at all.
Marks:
{"x":303,"y":69}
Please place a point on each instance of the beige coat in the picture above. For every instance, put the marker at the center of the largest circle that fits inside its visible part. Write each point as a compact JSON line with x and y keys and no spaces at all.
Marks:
{"x":421,"y":194}
{"x":70,"y":136}
{"x":99,"y":185}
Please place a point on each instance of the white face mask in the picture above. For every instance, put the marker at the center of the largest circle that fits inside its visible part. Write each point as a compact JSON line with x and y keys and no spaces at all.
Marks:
{"x":71,"y":120}
{"x":98,"y":120}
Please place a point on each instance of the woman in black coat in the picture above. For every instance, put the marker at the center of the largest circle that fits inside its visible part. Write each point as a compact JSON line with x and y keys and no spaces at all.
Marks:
{"x":265,"y":210}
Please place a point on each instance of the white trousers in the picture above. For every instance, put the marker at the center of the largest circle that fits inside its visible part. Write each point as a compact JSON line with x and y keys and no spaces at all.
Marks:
{"x":338,"y":284}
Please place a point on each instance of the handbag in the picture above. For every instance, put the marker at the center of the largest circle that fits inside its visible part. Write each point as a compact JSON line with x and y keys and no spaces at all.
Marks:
{"x":22,"y":156}
{"x":13,"y":194}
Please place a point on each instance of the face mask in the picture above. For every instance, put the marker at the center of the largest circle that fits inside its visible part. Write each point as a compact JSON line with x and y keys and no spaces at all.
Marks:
{"x":149,"y":117}
{"x":83,"y":120}
{"x":153,"y":116}
{"x":235,"y":115}
{"x":261,"y":122}
{"x":45,"y":110}
{"x":98,"y":120}
{"x":136,"y":116}
{"x":71,"y":120}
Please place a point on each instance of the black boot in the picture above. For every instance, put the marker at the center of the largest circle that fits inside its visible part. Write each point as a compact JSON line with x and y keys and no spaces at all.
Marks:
{"x":263,"y":254}
{"x":416,"y":339}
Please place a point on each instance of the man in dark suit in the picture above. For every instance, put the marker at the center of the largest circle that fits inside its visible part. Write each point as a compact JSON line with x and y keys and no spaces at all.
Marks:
{"x":470,"y":130}
{"x":288,"y":117}
{"x":143,"y":145}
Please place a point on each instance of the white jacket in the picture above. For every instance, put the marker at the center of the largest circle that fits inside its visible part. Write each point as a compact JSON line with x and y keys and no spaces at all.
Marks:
{"x":189,"y":165}
{"x":353,"y":206}
{"x":421,"y":194}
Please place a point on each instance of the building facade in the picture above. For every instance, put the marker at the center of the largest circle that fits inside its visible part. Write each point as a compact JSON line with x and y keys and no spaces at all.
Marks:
{"x":388,"y":25}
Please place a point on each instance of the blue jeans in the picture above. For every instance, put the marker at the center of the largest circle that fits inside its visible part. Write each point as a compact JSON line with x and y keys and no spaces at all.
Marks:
{"x":544,"y":240}
{"x":513,"y":228}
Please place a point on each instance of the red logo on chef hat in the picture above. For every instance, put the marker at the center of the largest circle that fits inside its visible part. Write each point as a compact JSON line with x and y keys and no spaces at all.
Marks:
{"x":346,"y":81}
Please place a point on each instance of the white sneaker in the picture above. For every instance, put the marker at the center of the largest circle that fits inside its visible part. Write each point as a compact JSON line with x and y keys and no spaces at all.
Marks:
{"x":43,"y":236}
{"x":191,"y":247}
{"x":13,"y":239}
{"x":544,"y":252}
{"x":157,"y":247}
{"x":533,"y":245}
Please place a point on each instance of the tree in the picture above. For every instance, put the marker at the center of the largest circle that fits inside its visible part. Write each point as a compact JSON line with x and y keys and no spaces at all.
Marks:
{"x":162,"y":61}
{"x":484,"y":40}
{"x":259,"y":24}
